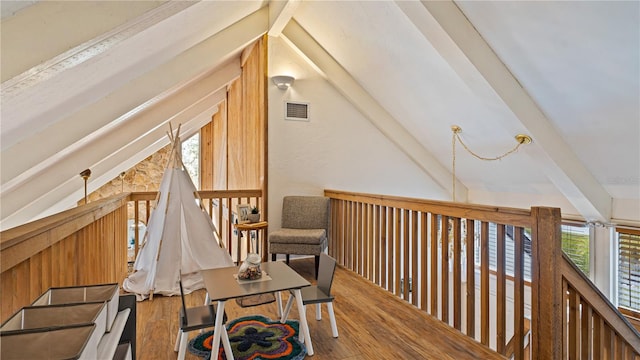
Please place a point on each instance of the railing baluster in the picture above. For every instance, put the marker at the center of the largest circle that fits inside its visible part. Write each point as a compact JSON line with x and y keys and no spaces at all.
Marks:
{"x":376,"y":244}
{"x":397,"y":254}
{"x":390,"y":244}
{"x":424,"y":260}
{"x":500,"y":290}
{"x":434,"y":264}
{"x":406,"y":257}
{"x":384,"y":246}
{"x":444,"y":271}
{"x":457,"y":274}
{"x":484,"y":283}
{"x":518,"y":293}
{"x":414,"y":257}
{"x":586,"y":327}
{"x":471,"y":279}
{"x":366,"y":244}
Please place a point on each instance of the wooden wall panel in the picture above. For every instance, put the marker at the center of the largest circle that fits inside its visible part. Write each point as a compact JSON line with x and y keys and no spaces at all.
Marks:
{"x":253,"y":80}
{"x":206,"y":156}
{"x":220,"y":148}
{"x":95,"y":253}
{"x":235,"y":138}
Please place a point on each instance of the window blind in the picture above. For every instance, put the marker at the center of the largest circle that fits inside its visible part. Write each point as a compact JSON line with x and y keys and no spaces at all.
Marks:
{"x":628,"y":269}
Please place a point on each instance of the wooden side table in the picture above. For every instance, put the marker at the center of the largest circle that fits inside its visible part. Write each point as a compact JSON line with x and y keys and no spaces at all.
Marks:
{"x":257,"y":227}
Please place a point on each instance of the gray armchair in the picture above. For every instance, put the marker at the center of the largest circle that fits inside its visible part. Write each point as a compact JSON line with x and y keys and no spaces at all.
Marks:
{"x":305,"y":228}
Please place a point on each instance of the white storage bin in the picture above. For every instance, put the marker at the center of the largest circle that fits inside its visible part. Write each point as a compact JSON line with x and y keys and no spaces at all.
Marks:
{"x":38,"y":317}
{"x":82,"y":294}
{"x":77,"y":342}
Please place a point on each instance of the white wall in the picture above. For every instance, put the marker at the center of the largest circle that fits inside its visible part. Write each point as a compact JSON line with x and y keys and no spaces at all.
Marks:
{"x":337,"y":149}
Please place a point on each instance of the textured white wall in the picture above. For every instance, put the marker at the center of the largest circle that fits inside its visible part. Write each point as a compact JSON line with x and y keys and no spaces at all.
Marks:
{"x":337,"y":149}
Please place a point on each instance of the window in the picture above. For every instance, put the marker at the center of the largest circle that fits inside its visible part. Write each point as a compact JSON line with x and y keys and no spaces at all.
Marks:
{"x":191,"y":158}
{"x":628,"y":268}
{"x":509,"y":249}
{"x":575,"y":243}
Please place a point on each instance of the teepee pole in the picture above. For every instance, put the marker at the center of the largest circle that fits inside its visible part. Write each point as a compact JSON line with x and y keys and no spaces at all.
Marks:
{"x":172,"y":154}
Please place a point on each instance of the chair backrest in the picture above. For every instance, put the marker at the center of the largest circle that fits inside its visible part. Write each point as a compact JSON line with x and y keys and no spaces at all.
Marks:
{"x":184,"y":305}
{"x":326,"y":270}
{"x":305,"y":212}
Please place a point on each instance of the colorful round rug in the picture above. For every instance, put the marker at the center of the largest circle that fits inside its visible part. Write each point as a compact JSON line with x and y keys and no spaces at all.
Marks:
{"x":255,"y":338}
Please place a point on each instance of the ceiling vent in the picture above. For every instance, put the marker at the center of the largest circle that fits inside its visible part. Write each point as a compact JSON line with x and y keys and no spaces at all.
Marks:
{"x":296,"y":111}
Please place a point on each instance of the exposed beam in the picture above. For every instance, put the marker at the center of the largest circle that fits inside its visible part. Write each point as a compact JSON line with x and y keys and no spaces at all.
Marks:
{"x":90,"y":71}
{"x":460,"y":44}
{"x":19,"y":162}
{"x":280,"y":12}
{"x":119,"y":149}
{"x":335,"y":74}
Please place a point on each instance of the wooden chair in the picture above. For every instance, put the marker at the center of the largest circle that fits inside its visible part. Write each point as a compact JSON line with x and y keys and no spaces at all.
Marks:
{"x":305,"y":228}
{"x":320,"y":293}
{"x":198,"y":318}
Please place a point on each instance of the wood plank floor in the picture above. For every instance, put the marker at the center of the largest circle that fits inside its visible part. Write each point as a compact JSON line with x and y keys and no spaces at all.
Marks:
{"x":372,"y":324}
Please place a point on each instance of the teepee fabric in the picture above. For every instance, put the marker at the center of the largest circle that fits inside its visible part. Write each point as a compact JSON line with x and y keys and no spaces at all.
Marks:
{"x":179,"y":238}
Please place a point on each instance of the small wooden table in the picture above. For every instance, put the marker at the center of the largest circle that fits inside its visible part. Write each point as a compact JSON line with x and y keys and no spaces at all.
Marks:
{"x":257,"y":227}
{"x":222,"y":285}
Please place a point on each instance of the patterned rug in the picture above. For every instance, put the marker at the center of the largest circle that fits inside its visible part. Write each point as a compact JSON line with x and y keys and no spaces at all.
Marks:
{"x":255,"y":338}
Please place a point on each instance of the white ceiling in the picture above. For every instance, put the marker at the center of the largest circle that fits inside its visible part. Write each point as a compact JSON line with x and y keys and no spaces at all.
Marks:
{"x":566,"y":73}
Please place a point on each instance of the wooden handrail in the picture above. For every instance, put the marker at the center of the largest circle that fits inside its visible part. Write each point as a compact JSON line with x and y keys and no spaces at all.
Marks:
{"x":80,"y":246}
{"x":501,"y":215}
{"x":21,"y":242}
{"x":599,"y":303}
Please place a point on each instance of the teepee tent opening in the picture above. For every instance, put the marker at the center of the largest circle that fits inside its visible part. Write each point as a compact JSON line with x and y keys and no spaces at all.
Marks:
{"x":180,"y":236}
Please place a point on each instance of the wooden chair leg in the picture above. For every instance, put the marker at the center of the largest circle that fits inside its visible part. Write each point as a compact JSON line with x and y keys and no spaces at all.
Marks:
{"x":273,"y":257}
{"x":317,"y":265}
{"x":287,"y":259}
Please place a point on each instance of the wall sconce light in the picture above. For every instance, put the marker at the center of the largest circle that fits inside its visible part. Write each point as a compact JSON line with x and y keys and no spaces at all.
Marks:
{"x":85,"y":174}
{"x":283,"y":82}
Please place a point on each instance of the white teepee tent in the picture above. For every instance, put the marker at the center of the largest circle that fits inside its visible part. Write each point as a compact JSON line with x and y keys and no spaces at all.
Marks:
{"x":179,"y":238}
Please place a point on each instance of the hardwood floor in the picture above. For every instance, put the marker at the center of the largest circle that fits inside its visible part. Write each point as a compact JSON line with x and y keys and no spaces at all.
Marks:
{"x":372,"y":324}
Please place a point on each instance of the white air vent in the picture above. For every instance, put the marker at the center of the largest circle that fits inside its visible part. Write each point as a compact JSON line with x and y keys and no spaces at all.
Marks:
{"x":296,"y":111}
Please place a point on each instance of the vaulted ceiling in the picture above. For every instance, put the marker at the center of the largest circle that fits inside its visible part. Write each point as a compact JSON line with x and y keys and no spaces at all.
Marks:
{"x":93,"y":85}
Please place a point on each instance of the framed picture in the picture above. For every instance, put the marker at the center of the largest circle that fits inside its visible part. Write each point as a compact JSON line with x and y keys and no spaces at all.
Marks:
{"x":243,"y":213}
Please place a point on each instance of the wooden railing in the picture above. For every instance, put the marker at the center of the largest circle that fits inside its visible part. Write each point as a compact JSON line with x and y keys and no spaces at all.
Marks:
{"x":221,"y":206}
{"x":81,"y":246}
{"x":389,"y":239}
{"x":594,"y":328}
{"x":386,"y":240}
{"x":88,"y":244}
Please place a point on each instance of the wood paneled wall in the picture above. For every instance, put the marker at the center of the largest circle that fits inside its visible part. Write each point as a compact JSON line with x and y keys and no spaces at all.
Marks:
{"x":206,"y":155}
{"x":82,"y":246}
{"x":236,"y":141}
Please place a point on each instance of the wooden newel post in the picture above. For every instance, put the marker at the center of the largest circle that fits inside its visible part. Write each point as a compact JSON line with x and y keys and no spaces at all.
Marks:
{"x":546,"y":292}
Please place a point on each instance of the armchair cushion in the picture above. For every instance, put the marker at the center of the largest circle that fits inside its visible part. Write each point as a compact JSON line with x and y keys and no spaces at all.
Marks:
{"x":298,"y":236}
